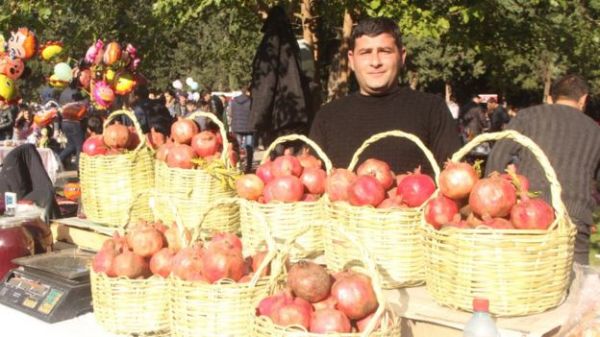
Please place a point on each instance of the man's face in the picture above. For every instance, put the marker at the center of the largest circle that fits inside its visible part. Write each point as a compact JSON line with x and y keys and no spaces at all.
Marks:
{"x":182,"y":99}
{"x":376,"y":62}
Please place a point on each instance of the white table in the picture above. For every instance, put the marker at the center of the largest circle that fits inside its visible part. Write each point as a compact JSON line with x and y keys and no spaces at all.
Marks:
{"x":49,"y":159}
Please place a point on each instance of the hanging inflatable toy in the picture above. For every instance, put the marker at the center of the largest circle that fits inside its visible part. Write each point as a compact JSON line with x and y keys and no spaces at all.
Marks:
{"x":124,"y":83}
{"x":13,"y":68}
{"x":22,"y":44}
{"x":7,"y":88}
{"x":112,"y":53}
{"x":45,"y":116}
{"x":95,"y":52}
{"x":103,"y":94}
{"x":63,"y":72}
{"x":50,"y":50}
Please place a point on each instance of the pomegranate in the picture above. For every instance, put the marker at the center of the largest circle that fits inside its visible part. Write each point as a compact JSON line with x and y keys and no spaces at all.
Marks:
{"x":183,"y":130}
{"x":229,"y":238}
{"x":329,"y":320}
{"x":440,"y":211}
{"x":187,"y":263}
{"x":378,"y":169}
{"x":314,"y":180}
{"x":493,"y":196}
{"x":130,"y":265}
{"x":532,"y":213}
{"x":134,"y":140}
{"x":163,"y":151}
{"x":329,"y":303}
{"x":145,"y":240}
{"x":366,"y":190}
{"x":94,"y":146}
{"x":180,"y":156}
{"x":292,"y":311}
{"x":355,"y":296}
{"x":265,"y":172}
{"x":249,"y":186}
{"x":103,"y":260}
{"x":267,"y":304}
{"x":116,"y":136}
{"x":457,"y":180}
{"x":284,"y":188}
{"x":307,"y":160}
{"x":161,"y":263}
{"x":362,"y":324}
{"x":286,"y":165}
{"x":310,"y":197}
{"x":337,"y":185}
{"x":205,"y":144}
{"x":221,"y":261}
{"x":309,"y":281}
{"x":497,"y":223}
{"x":458,"y":222}
{"x":392,"y":202}
{"x":416,"y":188}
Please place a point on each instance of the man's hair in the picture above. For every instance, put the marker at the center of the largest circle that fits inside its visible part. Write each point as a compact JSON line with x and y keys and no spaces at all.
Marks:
{"x":375,"y":26}
{"x":571,"y":87}
{"x":94,"y":123}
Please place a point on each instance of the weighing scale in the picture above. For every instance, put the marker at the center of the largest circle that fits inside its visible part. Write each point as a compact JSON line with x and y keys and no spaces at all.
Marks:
{"x":52,"y":287}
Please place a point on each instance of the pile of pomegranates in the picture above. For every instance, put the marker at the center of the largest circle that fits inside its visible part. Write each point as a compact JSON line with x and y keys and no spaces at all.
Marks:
{"x":116,"y":139}
{"x":287,"y":178}
{"x":320,"y":302}
{"x":188,"y":143}
{"x":500,"y":201}
{"x":376,"y":185}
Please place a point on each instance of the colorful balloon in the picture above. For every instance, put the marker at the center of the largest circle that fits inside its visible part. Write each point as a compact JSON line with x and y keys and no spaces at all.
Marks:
{"x":7,"y":88}
{"x":95,"y":52}
{"x":103,"y":94}
{"x":112,"y":53}
{"x":51,"y":50}
{"x":13,"y":68}
{"x":63,"y":72}
{"x":22,"y":44}
{"x":124,"y":83}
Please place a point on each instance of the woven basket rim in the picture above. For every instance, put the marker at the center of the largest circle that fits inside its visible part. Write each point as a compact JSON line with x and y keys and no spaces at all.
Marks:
{"x":308,"y":141}
{"x":222,"y":131}
{"x":134,"y":120}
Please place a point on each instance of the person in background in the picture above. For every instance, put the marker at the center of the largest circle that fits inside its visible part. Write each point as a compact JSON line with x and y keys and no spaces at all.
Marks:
{"x":453,"y":107}
{"x":191,"y":107}
{"x":172,"y":104}
{"x":94,"y":126}
{"x":570,"y":140}
{"x":376,"y":56}
{"x":7,"y":119}
{"x":182,"y":98}
{"x":23,"y":123}
{"x":497,"y":115}
{"x":241,"y":125}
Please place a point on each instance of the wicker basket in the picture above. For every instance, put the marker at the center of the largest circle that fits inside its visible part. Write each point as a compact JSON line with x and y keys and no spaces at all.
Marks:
{"x":285,"y":219}
{"x":110,"y":183}
{"x":521,"y":272}
{"x":222,"y":309}
{"x":264,"y":326}
{"x":192,"y":190}
{"x":393,"y":237}
{"x":126,"y":306}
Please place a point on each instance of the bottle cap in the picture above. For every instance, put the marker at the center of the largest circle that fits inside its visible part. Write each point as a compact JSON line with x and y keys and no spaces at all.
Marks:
{"x":481,"y":304}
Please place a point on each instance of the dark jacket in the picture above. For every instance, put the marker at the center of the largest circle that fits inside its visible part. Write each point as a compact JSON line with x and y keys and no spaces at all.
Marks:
{"x":7,"y":121}
{"x":498,"y":118}
{"x":240,"y":114}
{"x":280,"y":94}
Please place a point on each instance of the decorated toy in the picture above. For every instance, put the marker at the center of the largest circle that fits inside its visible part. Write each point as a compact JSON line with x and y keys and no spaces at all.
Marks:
{"x":112,"y":53}
{"x":50,"y":50}
{"x":22,"y":44}
{"x":13,"y":68}
{"x":124,"y":83}
{"x":95,"y":52}
{"x":7,"y":88}
{"x":103,"y":94}
{"x":63,"y":72}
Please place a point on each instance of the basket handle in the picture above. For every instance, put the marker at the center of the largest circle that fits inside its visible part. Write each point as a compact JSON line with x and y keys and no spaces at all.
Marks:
{"x":368,"y":263}
{"x":136,"y":125}
{"x":289,"y":138}
{"x":555,"y":188}
{"x":400,"y":134}
{"x":222,"y":131}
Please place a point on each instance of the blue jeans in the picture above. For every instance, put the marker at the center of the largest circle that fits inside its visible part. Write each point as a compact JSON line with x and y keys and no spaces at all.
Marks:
{"x":75,"y":138}
{"x":246,"y":141}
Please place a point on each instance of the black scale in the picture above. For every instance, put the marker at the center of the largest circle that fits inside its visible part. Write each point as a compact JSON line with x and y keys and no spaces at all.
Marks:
{"x":52,"y":287}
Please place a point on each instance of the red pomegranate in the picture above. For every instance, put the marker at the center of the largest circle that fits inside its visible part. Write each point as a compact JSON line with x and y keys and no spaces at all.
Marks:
{"x":355,"y":296}
{"x":265,"y":172}
{"x":532,"y":213}
{"x":286,"y":165}
{"x":366,"y":190}
{"x":440,"y":211}
{"x":145,"y":240}
{"x":116,"y":136}
{"x":284,"y":188}
{"x":161,"y":263}
{"x":314,"y":180}
{"x":337,"y":185}
{"x":94,"y":146}
{"x":307,"y":160}
{"x":457,"y":180}
{"x":493,"y":196}
{"x":379,"y":169}
{"x":205,"y":144}
{"x":187,"y":263}
{"x":180,"y":156}
{"x":222,"y":261}
{"x":249,"y":186}
{"x":309,"y":281}
{"x":415,"y":188}
{"x":329,"y":321}
{"x":183,"y":130}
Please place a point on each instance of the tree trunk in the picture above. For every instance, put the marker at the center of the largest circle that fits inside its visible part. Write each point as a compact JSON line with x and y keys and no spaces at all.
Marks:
{"x":309,"y":33}
{"x":413,"y":79}
{"x":547,"y":80}
{"x":337,"y":86}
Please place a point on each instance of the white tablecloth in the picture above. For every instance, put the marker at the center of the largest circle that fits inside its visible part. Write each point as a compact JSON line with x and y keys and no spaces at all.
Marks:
{"x":49,"y":159}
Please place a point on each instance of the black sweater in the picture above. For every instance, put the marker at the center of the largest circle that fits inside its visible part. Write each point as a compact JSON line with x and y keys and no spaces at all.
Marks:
{"x":570,"y":140}
{"x":343,"y":125}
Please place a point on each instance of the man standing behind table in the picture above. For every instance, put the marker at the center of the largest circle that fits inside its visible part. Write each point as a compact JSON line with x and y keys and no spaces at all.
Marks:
{"x":376,"y":56}
{"x":570,"y":140}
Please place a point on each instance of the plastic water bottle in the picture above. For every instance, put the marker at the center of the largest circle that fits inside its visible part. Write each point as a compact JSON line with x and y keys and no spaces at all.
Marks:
{"x":481,"y":323}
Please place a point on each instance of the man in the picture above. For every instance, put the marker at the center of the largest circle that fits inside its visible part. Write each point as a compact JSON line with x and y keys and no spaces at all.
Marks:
{"x":376,"y":56}
{"x":7,"y":119}
{"x":570,"y":140}
{"x":473,"y":119}
{"x":241,"y":126}
{"x":497,"y":114}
